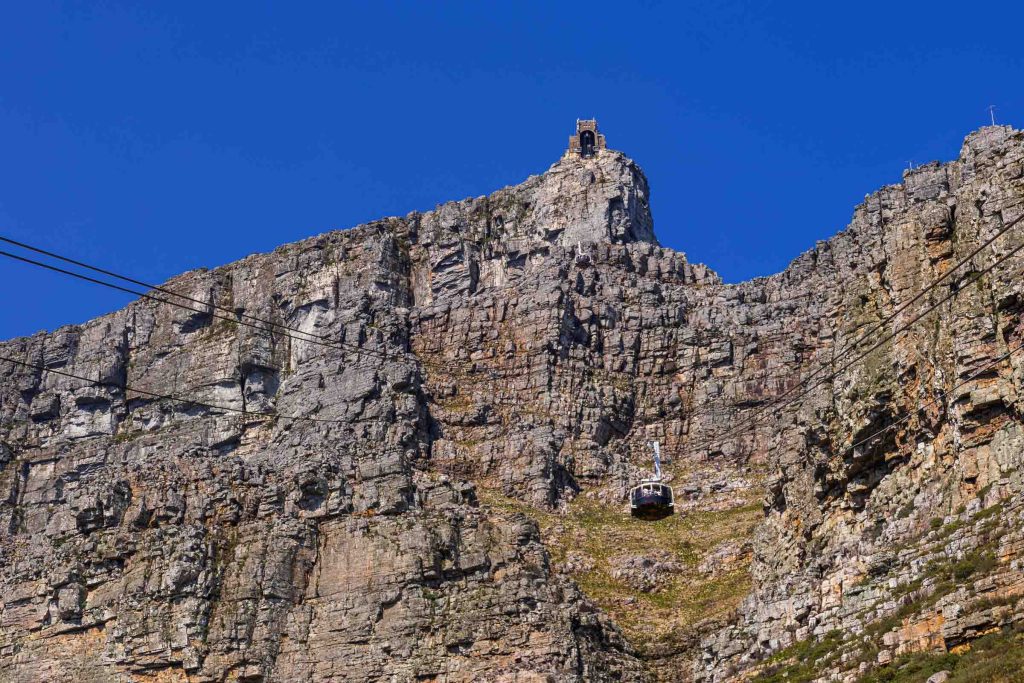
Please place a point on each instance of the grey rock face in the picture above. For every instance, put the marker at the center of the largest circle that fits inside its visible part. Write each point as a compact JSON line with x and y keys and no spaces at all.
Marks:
{"x":894,"y":506}
{"x":147,"y":538}
{"x":646,"y":573}
{"x":527,"y":344}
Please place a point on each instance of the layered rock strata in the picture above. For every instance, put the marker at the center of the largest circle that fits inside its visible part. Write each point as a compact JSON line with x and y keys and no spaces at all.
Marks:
{"x":528,"y":343}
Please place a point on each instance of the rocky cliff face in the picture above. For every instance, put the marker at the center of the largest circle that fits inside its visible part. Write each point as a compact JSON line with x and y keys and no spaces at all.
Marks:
{"x":454,"y":424}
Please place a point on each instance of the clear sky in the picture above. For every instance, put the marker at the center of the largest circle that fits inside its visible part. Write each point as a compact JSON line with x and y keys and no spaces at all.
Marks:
{"x":158,"y":137}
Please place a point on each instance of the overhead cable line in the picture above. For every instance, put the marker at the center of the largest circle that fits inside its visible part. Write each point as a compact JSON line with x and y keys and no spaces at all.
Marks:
{"x":232,"y":315}
{"x":777,"y":402}
{"x":235,"y":315}
{"x":315,"y":339}
{"x":319,"y":340}
{"x":933,"y":401}
{"x":233,"y":318}
{"x":158,"y":288}
{"x":408,"y":356}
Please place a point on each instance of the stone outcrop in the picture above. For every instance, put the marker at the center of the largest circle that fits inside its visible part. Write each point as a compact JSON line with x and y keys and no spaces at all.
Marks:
{"x":525,"y":345}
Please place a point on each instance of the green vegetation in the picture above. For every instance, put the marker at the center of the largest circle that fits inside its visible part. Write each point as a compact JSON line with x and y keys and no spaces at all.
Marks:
{"x":947,"y":575}
{"x":877,"y":629}
{"x":994,"y":658}
{"x":124,"y":437}
{"x":951,"y":528}
{"x":977,"y":562}
{"x":803,"y":661}
{"x":591,"y":535}
{"x":223,"y":326}
{"x":918,"y":666}
{"x":981,"y":560}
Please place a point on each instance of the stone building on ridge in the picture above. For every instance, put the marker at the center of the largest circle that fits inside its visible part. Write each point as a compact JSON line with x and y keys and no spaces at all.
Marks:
{"x":587,"y":141}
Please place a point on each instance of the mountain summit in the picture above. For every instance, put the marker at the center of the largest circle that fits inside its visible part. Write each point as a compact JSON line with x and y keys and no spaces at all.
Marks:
{"x":400,"y":452}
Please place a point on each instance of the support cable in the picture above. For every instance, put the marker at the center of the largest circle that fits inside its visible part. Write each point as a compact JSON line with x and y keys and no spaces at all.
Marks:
{"x":936,"y":399}
{"x":778,"y":403}
{"x":315,"y":339}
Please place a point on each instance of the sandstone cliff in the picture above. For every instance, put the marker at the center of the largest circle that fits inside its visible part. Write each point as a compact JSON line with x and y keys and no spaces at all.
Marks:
{"x":456,"y":419}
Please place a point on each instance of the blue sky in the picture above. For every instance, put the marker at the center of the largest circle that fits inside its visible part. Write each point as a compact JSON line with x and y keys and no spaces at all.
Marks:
{"x":159,"y":138}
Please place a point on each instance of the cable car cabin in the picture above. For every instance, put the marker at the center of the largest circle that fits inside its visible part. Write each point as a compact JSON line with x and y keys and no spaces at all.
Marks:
{"x":651,"y":500}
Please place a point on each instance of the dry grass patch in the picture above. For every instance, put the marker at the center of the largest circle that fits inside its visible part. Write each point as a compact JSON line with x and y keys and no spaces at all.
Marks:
{"x":590,"y":539}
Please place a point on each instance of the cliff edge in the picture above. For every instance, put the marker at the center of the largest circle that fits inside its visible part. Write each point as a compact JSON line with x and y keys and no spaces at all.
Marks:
{"x":400,"y":451}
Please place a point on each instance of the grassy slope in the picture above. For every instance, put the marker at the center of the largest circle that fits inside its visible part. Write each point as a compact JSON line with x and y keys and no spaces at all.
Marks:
{"x":593,"y":534}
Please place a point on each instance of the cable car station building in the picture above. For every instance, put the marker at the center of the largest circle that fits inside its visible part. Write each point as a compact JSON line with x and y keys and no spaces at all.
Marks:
{"x":587,"y":141}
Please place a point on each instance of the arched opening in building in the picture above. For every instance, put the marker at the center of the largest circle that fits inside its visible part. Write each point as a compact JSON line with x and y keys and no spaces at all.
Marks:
{"x":587,"y":143}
